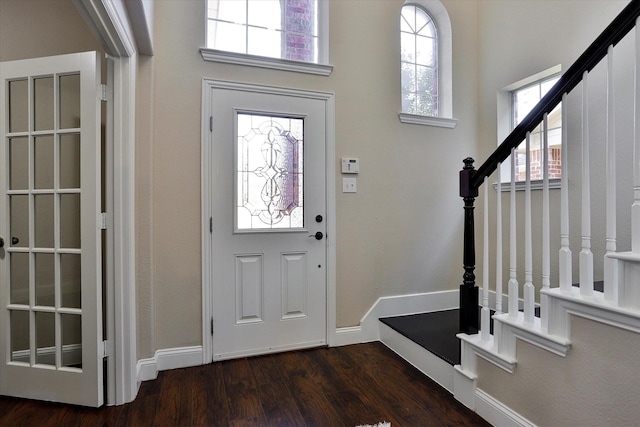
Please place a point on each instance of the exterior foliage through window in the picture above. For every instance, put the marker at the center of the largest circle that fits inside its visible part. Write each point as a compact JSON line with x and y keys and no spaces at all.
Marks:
{"x":419,"y":62}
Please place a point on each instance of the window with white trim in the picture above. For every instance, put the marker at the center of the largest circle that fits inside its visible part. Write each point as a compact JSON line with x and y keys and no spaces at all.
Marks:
{"x":523,"y":100}
{"x":426,"y":64}
{"x":265,"y":32}
{"x":419,"y":62}
{"x":514,"y":103}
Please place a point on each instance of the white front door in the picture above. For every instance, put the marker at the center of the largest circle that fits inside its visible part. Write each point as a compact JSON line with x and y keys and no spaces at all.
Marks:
{"x":266,"y":168}
{"x":50,"y":259}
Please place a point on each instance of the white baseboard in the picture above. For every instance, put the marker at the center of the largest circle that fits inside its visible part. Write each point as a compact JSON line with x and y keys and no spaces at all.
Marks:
{"x":369,"y":329}
{"x":498,"y":414}
{"x":348,"y":336}
{"x":172,"y":358}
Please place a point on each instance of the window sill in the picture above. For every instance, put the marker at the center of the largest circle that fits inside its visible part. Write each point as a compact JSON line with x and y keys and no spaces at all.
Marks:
{"x":213,"y":55}
{"x":415,"y":119}
{"x":535,"y":185}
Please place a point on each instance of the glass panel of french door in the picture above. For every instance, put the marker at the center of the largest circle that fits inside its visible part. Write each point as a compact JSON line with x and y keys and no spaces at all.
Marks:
{"x":50,"y":270}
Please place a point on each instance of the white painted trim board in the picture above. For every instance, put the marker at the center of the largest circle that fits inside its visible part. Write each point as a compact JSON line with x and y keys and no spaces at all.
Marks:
{"x":399,"y":305}
{"x":172,"y":358}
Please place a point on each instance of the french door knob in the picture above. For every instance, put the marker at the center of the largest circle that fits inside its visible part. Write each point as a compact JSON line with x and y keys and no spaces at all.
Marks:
{"x":318,"y":235}
{"x":1,"y":242}
{"x":15,"y":241}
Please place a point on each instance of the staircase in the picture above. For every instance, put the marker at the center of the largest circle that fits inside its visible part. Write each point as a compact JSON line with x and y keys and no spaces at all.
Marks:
{"x":542,"y":314}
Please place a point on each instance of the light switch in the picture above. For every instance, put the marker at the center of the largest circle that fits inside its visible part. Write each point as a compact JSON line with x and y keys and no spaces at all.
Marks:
{"x":349,"y":185}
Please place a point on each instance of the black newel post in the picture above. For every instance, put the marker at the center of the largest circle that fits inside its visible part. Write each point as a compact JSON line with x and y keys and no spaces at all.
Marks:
{"x":469,"y":309}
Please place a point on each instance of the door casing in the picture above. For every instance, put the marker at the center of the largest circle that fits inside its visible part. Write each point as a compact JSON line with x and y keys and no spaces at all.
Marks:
{"x":206,"y":197}
{"x":108,"y":21}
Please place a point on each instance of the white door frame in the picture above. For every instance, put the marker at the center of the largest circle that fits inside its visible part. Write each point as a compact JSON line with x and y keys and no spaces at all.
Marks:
{"x":108,"y":20}
{"x":206,"y":197}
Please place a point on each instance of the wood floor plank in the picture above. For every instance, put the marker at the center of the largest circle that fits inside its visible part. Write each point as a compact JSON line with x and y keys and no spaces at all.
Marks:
{"x":77,"y":416}
{"x":266,"y":369}
{"x":209,"y":396}
{"x":308,"y":376}
{"x":437,"y":402}
{"x":142,"y":411}
{"x":280,"y":408}
{"x":343,"y":386}
{"x":174,"y":405}
{"x":34,"y":413}
{"x":370,"y":393}
{"x":353,"y":410}
{"x":319,"y":412}
{"x":242,"y":393}
{"x":251,"y":422}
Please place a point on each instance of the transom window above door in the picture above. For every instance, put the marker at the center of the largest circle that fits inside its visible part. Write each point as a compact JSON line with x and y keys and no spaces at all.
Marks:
{"x":268,"y":31}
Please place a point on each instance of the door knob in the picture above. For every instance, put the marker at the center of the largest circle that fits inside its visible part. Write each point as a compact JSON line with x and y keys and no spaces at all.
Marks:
{"x":15,"y":241}
{"x":318,"y":235}
{"x":1,"y":243}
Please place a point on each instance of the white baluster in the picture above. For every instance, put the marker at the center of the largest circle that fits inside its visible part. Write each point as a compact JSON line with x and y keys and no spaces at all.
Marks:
{"x":485,"y":327}
{"x":565,"y":262}
{"x":546,"y":247}
{"x":610,"y":264}
{"x":635,"y":208}
{"x":528,"y":289}
{"x":499,"y":243}
{"x":586,"y":256}
{"x":513,"y":280}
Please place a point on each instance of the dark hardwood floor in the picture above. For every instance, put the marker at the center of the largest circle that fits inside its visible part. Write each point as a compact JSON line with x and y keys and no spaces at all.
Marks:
{"x":342,"y":386}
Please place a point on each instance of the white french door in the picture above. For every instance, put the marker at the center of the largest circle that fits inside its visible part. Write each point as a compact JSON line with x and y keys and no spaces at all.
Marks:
{"x":265,"y":169}
{"x":50,"y":259}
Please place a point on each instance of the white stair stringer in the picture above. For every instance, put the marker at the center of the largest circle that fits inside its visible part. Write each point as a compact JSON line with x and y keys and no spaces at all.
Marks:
{"x":516,"y":327}
{"x":594,"y":307}
{"x":500,"y":348}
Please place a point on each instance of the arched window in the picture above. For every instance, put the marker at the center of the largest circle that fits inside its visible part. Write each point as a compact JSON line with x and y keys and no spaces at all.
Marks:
{"x":425,"y":63}
{"x":419,"y":62}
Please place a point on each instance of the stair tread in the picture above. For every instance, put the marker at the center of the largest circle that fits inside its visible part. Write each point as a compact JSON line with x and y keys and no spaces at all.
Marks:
{"x":435,"y":331}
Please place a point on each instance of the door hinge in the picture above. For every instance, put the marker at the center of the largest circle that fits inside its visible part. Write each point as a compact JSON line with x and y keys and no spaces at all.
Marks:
{"x":211,"y":123}
{"x":212,"y":326}
{"x":104,"y":93}
{"x":103,"y":221}
{"x":211,"y":225}
{"x":107,"y":349}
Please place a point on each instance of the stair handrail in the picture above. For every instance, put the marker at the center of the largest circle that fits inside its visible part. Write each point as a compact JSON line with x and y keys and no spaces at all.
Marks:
{"x":471,"y":179}
{"x":616,"y":31}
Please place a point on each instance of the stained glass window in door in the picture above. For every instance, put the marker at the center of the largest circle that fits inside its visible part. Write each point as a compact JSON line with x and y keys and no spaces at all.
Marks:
{"x":269,"y":173}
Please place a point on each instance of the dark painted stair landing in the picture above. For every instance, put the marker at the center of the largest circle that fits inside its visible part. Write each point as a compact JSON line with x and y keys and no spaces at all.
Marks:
{"x":435,"y":331}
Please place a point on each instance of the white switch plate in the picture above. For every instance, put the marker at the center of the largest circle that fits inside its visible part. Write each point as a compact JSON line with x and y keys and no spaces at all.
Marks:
{"x":349,"y":185}
{"x":350,"y":165}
